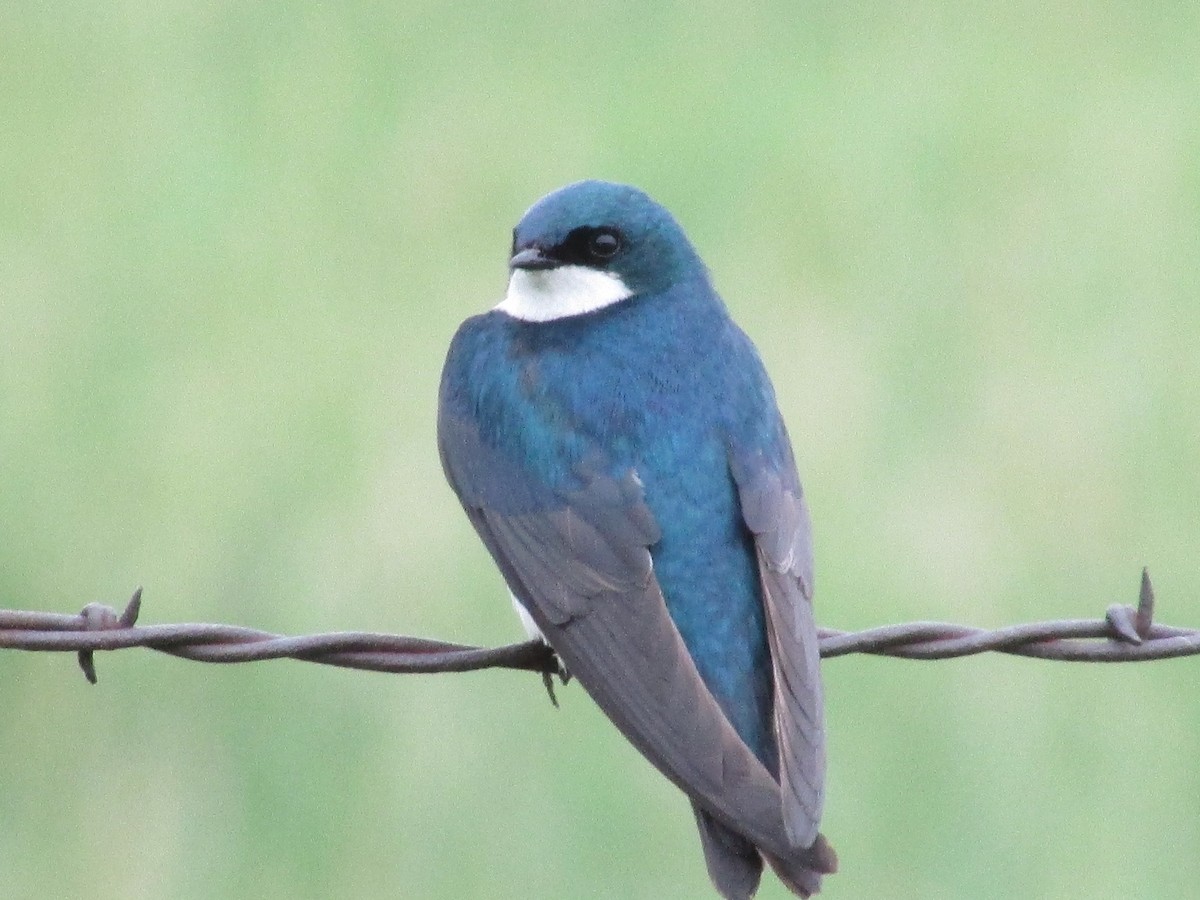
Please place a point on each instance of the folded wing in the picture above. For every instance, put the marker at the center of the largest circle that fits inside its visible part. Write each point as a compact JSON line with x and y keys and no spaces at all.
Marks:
{"x":775,"y":511}
{"x":579,"y":562}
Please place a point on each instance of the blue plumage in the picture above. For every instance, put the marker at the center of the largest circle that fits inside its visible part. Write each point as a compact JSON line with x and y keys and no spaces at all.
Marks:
{"x":615,"y":439}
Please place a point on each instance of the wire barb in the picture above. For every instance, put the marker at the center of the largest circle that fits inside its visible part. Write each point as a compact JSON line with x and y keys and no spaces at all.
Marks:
{"x":1125,"y":634}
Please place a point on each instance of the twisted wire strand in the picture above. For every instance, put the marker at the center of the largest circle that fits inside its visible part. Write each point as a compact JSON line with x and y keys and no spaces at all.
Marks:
{"x":1125,"y":634}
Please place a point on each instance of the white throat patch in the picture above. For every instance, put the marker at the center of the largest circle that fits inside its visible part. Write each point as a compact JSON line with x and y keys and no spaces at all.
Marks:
{"x":542,"y":295}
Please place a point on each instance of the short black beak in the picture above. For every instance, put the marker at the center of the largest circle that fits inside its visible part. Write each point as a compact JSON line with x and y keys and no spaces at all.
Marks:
{"x":532,"y":258}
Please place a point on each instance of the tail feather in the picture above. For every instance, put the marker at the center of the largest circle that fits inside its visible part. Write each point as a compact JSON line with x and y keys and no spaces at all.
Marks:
{"x":802,"y":873}
{"x":733,"y":863}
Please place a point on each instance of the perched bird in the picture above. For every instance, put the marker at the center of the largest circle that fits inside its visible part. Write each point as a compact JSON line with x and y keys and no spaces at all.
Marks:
{"x":615,"y":441}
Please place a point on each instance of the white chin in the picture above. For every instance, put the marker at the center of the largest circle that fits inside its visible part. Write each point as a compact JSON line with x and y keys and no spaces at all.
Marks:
{"x":543,"y":295}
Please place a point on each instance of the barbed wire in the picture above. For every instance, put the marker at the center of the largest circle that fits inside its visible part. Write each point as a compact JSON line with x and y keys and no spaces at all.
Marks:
{"x":1125,"y":634}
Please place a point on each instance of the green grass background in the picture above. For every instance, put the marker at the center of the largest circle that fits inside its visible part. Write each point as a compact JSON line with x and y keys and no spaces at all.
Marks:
{"x":234,"y":242}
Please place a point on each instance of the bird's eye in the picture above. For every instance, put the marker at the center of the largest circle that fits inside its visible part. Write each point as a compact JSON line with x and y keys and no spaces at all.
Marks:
{"x":604,"y":244}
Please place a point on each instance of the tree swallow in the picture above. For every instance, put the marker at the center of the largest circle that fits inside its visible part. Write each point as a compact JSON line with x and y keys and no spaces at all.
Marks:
{"x":614,"y":439}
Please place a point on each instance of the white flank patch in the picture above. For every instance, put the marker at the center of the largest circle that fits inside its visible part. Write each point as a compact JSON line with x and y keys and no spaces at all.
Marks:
{"x":543,"y":295}
{"x":531,"y":629}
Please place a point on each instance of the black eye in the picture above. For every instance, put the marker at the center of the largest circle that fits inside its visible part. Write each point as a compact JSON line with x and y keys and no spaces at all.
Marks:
{"x":589,"y":245}
{"x":604,"y":244}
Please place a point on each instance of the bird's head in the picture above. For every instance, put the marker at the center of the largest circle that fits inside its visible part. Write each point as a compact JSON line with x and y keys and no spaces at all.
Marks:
{"x":592,"y":244}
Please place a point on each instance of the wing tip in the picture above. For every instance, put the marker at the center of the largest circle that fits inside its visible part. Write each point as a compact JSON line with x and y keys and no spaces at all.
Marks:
{"x":803,"y":871}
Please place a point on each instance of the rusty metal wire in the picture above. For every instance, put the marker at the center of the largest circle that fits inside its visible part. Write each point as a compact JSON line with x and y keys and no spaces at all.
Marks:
{"x":1125,"y":634}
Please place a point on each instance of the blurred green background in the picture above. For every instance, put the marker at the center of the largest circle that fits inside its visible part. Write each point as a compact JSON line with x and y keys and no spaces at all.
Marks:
{"x":234,"y":242}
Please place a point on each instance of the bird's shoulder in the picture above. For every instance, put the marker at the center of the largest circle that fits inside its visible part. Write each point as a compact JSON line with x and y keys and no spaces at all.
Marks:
{"x":478,"y":344}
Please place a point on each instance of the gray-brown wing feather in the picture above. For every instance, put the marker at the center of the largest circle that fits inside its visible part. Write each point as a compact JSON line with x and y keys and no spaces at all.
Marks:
{"x":774,"y":509}
{"x":616,"y":637}
{"x":580,"y":564}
